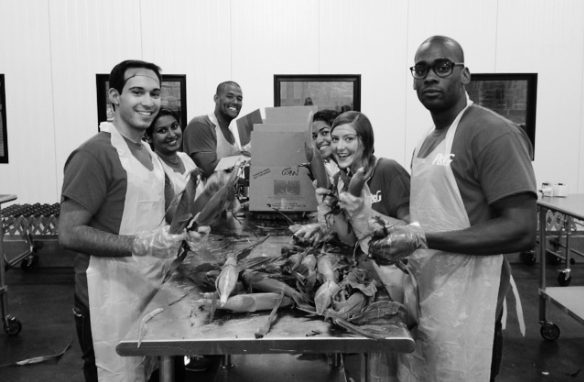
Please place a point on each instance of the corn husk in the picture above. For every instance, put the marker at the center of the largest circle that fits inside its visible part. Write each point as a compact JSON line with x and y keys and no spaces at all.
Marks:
{"x":227,"y":279}
{"x":252,"y":302}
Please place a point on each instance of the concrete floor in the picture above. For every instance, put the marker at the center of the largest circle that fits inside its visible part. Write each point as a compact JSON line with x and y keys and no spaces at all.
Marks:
{"x":42,"y":298}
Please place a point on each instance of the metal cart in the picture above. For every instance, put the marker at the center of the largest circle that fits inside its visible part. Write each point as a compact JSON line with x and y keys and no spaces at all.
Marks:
{"x":560,"y":215}
{"x":11,"y":325}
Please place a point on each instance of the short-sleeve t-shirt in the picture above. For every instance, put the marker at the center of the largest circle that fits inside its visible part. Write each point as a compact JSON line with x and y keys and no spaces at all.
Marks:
{"x":492,"y":160}
{"x":95,"y":179}
{"x":390,"y":187}
{"x":200,"y":136}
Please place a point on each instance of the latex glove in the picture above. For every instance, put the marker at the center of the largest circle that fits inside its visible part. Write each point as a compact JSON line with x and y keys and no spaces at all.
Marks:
{"x":311,"y":233}
{"x":400,"y":242}
{"x":198,"y":239}
{"x":159,"y":243}
{"x":358,"y":210}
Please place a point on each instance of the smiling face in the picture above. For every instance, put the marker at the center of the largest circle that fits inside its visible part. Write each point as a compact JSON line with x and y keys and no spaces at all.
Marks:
{"x":139,"y":101}
{"x":321,"y":135}
{"x":166,"y":135}
{"x":435,"y":93}
{"x":228,"y":102}
{"x":347,"y":147}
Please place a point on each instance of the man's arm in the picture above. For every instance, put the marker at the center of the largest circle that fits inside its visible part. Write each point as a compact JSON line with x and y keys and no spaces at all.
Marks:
{"x":76,"y":234}
{"x":512,"y":230}
{"x":206,"y":161}
{"x":200,"y":143}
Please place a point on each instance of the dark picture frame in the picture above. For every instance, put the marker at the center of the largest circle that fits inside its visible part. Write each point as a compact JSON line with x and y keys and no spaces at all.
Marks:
{"x":340,"y":92}
{"x":3,"y":129}
{"x":174,"y":96}
{"x":512,"y":95}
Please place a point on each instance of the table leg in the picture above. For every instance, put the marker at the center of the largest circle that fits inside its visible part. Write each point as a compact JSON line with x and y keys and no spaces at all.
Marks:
{"x":166,"y":369}
{"x":379,"y":367}
{"x":542,"y":263}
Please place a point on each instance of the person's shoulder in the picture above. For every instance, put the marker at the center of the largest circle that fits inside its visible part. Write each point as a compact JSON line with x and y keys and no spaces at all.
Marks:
{"x":200,"y":120}
{"x":386,"y":164}
{"x":98,"y":147}
{"x":485,"y":119}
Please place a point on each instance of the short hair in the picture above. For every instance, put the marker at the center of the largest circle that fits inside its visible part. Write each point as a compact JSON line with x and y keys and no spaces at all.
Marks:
{"x":327,"y":116}
{"x":364,"y":129}
{"x":221,"y":87}
{"x":117,"y":80}
{"x":445,"y":40}
{"x":161,"y":113}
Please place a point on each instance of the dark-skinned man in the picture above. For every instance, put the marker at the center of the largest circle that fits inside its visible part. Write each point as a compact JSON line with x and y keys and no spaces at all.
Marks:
{"x":473,"y":193}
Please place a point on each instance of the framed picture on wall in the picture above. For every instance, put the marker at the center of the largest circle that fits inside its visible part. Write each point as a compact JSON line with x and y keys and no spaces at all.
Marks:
{"x":174,"y":96}
{"x":512,"y":95}
{"x":340,"y":92}
{"x":3,"y":132}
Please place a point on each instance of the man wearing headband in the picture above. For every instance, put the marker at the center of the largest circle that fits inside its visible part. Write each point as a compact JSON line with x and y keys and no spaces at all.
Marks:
{"x":112,"y":214}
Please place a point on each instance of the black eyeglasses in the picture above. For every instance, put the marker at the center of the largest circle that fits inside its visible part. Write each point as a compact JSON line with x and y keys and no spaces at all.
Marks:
{"x":442,"y":68}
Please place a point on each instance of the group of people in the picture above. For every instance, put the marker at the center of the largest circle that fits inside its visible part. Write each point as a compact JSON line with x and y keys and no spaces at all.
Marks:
{"x":471,"y":198}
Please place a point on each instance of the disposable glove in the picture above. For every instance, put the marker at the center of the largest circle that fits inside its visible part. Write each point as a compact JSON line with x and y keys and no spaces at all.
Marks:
{"x":311,"y":233}
{"x":401,"y":241}
{"x":358,"y":210}
{"x":159,"y":243}
{"x":198,"y":239}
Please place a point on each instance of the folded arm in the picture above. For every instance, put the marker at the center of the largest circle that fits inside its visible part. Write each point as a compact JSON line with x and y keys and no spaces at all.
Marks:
{"x":513,"y":229}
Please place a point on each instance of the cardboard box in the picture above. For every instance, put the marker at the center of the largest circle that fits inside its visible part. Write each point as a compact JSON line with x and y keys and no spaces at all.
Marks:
{"x":289,"y":114}
{"x":285,"y":188}
{"x":277,"y":148}
{"x":245,"y":125}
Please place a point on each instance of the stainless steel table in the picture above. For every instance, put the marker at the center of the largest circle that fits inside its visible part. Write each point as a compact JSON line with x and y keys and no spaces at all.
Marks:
{"x":182,"y":328}
{"x":568,"y":299}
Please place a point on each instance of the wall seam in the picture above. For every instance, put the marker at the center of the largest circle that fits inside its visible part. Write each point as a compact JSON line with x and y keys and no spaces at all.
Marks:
{"x":57,"y":190}
{"x":579,"y":182}
{"x":496,"y":34}
{"x":405,"y":143}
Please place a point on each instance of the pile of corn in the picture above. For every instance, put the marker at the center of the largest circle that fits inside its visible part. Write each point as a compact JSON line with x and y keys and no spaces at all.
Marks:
{"x":324,"y":281}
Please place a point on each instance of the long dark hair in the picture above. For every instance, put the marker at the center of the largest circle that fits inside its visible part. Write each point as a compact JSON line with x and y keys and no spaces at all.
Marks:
{"x":362,"y":126}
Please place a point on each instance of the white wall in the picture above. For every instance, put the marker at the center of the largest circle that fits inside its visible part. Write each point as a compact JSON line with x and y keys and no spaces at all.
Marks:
{"x":50,"y":51}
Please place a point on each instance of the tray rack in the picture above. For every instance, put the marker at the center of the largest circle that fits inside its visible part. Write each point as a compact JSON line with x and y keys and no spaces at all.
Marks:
{"x":25,"y":222}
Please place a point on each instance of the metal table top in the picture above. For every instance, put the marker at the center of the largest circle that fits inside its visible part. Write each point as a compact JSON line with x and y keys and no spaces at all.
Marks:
{"x":572,"y":205}
{"x":183,"y":327}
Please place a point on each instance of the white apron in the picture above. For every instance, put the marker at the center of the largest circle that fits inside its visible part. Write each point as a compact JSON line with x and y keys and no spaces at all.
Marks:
{"x":178,"y":180}
{"x":457,"y":293}
{"x":120,"y":287}
{"x":224,"y":148}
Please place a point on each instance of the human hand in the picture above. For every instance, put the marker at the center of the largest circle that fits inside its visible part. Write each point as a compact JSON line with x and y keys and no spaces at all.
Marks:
{"x":196,"y":239}
{"x":158,"y":243}
{"x":310,"y":233}
{"x":353,"y":205}
{"x":401,"y":241}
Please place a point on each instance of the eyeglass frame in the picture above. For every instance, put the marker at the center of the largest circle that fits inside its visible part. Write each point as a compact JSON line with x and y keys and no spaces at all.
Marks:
{"x":433,"y":67}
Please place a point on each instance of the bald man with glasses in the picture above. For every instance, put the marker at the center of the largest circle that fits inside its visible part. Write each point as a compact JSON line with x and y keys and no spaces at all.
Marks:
{"x":473,"y":192}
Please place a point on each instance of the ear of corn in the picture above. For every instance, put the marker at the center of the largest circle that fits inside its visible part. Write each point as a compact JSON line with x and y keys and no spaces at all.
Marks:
{"x":323,"y":297}
{"x":184,"y":211}
{"x":347,"y":308}
{"x":216,"y":205}
{"x":258,"y":281}
{"x":252,"y":302}
{"x":227,"y":280}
